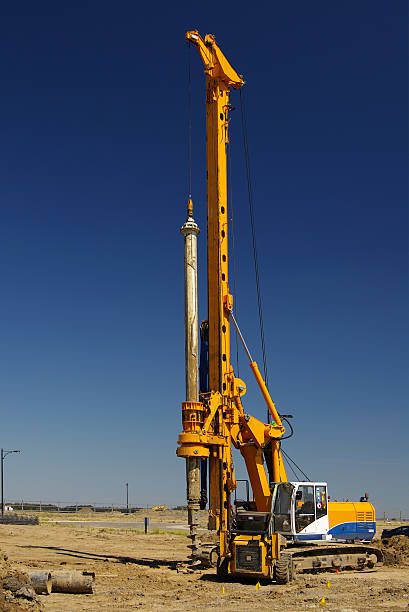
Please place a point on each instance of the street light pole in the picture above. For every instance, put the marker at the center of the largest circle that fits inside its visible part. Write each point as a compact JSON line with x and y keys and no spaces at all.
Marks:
{"x":127,"y":499}
{"x":3,"y":456}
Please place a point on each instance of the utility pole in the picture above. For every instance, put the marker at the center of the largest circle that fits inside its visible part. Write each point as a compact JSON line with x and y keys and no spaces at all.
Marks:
{"x":4,"y":454}
{"x":127,"y":499}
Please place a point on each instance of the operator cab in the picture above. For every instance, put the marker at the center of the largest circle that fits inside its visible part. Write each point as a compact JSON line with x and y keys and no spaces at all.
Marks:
{"x":300,"y":510}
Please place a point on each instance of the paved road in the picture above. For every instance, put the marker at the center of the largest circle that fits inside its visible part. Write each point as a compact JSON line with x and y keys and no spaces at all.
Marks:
{"x":139,"y":525}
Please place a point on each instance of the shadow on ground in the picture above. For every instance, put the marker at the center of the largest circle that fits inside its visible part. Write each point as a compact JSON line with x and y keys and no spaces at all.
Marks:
{"x":78,"y":554}
{"x":236,"y":579}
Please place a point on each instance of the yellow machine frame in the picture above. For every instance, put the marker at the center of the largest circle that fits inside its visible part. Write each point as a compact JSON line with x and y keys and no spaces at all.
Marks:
{"x":212,"y":426}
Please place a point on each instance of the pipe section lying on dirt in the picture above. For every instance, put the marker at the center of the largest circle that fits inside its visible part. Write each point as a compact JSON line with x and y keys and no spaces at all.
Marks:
{"x":72,"y":582}
{"x":41,"y":582}
{"x":44,"y":582}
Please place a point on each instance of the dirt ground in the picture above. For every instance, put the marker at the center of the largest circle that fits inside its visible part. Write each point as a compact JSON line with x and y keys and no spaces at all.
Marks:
{"x":137,"y":571}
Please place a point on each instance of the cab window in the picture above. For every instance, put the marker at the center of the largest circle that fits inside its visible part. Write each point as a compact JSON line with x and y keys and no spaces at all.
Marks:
{"x":321,"y":500}
{"x":304,"y":507}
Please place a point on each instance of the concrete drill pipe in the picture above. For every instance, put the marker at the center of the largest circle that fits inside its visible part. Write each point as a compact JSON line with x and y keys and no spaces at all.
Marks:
{"x":66,"y":581}
{"x":190,"y":231}
{"x":41,"y":582}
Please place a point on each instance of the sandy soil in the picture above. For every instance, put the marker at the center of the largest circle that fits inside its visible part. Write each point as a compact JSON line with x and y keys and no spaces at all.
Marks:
{"x":134,"y":571}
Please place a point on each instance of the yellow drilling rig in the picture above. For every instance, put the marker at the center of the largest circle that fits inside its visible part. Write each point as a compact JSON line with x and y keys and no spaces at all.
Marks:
{"x":264,"y":536}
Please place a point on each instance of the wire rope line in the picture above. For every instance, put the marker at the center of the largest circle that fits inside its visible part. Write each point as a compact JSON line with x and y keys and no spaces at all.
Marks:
{"x":293,"y":471}
{"x":233,"y":256}
{"x":189,"y":122}
{"x":291,"y":461}
{"x":253,"y":234}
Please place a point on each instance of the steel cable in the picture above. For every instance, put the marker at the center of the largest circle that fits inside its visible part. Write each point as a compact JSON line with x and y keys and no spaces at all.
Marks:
{"x":233,"y":256}
{"x":291,"y":461}
{"x":253,"y":234}
{"x":189,"y":122}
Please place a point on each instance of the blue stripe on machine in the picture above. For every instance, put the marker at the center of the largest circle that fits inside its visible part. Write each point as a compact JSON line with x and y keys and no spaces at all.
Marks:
{"x":354,"y":531}
{"x":309,"y":536}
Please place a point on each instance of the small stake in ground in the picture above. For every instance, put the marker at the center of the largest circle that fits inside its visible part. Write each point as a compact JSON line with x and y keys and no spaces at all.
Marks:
{"x":222,"y":590}
{"x":329,"y":584}
{"x":323,"y":602}
{"x":258,"y":586}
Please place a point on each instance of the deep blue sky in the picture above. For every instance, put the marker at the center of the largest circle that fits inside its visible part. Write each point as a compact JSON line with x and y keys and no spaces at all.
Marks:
{"x":93,"y":189}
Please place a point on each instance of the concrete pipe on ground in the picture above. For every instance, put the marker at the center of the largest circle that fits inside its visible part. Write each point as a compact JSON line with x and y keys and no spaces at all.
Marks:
{"x":72,"y":582}
{"x":41,"y":582}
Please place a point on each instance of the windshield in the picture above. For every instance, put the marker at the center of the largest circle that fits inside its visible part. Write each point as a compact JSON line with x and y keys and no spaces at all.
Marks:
{"x":282,"y":495}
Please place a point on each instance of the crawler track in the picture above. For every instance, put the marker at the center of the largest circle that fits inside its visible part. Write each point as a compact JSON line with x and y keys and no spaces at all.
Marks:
{"x":334,"y":556}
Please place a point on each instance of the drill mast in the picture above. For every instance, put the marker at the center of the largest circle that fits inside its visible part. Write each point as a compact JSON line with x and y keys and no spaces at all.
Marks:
{"x":215,"y":423}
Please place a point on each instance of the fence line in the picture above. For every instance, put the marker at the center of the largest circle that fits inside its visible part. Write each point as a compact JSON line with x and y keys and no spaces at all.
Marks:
{"x":59,"y":506}
{"x":401,"y":516}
